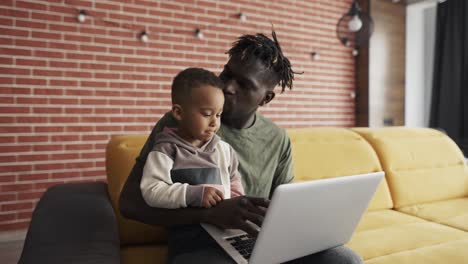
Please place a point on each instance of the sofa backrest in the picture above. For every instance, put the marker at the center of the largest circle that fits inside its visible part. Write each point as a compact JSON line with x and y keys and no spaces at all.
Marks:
{"x":421,"y":164}
{"x":317,"y":153}
{"x":121,"y":153}
{"x":320,"y":153}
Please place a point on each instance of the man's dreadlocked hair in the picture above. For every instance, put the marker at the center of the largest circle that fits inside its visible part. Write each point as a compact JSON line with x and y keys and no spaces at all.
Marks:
{"x":269,"y":52}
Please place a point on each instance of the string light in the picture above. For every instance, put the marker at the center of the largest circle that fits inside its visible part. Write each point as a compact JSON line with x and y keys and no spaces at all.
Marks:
{"x":314,"y":55}
{"x":347,"y":43}
{"x":242,"y":17}
{"x":81,"y":16}
{"x":144,"y":36}
{"x":199,"y":33}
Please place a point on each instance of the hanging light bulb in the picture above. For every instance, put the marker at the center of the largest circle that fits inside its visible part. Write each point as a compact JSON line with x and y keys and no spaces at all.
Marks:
{"x":81,"y":16}
{"x":314,"y":55}
{"x":355,"y":27}
{"x":144,"y":36}
{"x":242,"y":17}
{"x":355,"y":24}
{"x":199,"y":34}
{"x":346,"y":42}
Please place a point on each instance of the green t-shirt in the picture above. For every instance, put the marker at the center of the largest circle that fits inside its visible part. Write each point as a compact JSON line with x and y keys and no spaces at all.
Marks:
{"x":263,"y":151}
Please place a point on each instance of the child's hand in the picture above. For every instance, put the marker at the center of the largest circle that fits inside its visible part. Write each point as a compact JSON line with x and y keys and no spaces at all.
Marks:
{"x":211,"y":196}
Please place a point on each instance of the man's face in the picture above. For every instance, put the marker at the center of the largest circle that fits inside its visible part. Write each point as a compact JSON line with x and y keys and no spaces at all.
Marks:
{"x":247,"y":83}
{"x":201,"y":115}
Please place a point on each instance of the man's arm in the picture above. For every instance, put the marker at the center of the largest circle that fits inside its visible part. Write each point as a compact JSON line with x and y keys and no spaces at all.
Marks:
{"x":231,"y":213}
{"x":133,"y":206}
{"x":284,"y":171}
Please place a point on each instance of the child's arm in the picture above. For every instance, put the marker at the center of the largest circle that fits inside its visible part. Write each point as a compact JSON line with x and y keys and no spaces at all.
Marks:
{"x":158,"y":189}
{"x":156,"y":185}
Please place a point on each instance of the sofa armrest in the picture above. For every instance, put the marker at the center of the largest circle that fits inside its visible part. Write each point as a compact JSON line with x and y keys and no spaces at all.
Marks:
{"x":73,"y":223}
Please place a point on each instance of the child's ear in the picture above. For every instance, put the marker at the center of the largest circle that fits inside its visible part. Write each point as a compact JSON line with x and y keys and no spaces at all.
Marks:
{"x":268,"y":97}
{"x":177,"y":111}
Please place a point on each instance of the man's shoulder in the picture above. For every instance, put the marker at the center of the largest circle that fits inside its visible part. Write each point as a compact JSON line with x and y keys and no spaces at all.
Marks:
{"x":268,"y":124}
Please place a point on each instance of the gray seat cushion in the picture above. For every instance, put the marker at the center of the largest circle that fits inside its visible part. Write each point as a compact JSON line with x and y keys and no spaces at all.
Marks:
{"x":73,"y":223}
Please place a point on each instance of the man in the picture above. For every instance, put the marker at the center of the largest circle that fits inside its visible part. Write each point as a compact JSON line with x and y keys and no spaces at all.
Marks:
{"x":256,"y":66}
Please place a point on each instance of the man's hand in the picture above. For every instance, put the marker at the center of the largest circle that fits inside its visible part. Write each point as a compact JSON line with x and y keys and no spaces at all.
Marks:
{"x":211,"y":196}
{"x":234,"y":213}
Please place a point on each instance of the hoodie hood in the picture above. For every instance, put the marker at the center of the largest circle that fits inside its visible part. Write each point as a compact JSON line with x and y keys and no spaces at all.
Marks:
{"x":169,"y":135}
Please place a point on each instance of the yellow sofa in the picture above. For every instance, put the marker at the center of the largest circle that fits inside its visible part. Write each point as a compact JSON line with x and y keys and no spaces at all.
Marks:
{"x":419,"y":213}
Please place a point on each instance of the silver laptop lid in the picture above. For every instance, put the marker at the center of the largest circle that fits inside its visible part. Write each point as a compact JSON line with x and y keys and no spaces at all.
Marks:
{"x":308,"y":217}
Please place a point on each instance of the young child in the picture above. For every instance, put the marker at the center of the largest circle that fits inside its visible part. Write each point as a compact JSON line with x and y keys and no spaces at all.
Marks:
{"x":190,"y":165}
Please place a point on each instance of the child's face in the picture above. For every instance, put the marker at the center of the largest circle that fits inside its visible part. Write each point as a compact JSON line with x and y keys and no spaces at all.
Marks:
{"x":201,"y":115}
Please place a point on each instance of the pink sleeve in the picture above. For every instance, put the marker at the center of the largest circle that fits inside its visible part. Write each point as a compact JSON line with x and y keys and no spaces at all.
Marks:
{"x":236,"y":181}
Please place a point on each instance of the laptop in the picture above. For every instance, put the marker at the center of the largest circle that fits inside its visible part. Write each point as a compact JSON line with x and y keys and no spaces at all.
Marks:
{"x":302,"y":219}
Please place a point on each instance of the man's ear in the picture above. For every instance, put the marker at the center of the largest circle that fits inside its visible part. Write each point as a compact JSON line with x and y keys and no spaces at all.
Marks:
{"x":268,"y":97}
{"x":177,"y":111}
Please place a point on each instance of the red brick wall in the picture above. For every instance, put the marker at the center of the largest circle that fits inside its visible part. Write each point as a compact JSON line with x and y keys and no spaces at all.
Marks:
{"x":66,"y":87}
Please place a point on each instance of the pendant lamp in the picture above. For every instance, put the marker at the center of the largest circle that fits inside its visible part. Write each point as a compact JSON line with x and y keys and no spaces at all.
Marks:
{"x":354,"y":28}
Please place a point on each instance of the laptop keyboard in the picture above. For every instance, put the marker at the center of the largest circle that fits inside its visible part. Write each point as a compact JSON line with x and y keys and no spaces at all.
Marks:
{"x":243,"y":244}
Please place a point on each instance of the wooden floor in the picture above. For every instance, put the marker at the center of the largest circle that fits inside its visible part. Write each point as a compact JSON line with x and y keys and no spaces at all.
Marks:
{"x":10,"y":251}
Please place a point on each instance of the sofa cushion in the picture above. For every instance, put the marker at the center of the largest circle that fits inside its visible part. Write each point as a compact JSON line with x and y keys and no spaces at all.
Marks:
{"x":320,"y":153}
{"x":422,"y":165}
{"x":452,"y":212}
{"x":449,"y":252}
{"x":121,"y":153}
{"x":387,"y":232}
{"x":384,"y":219}
{"x":72,"y":223}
